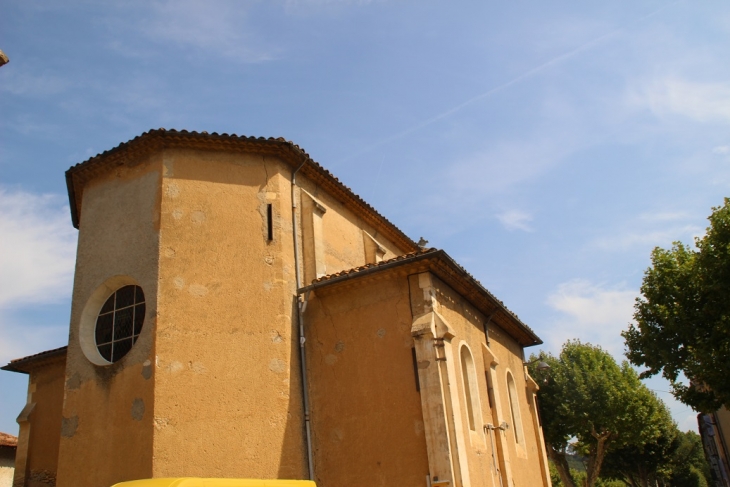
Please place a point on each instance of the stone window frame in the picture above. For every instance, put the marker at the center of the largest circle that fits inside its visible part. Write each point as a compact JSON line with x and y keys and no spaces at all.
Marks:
{"x":514,"y":406}
{"x":90,"y":314}
{"x":470,"y":387}
{"x":120,"y":322}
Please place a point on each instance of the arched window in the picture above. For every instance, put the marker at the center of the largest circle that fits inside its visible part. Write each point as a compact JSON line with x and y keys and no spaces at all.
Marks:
{"x":514,"y":406}
{"x":469,"y":378}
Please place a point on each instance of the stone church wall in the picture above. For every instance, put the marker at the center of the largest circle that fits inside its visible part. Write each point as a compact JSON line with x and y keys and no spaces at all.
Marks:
{"x":366,"y":409}
{"x":106,"y":430}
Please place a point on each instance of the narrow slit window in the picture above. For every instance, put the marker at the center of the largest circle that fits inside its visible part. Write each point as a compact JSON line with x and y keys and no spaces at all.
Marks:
{"x":270,"y":221}
{"x":415,"y":369}
{"x":489,"y":389}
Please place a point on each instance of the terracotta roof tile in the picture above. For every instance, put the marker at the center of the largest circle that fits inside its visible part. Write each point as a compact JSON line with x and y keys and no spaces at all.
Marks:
{"x":8,"y":440}
{"x":20,"y":364}
{"x":358,"y":269}
{"x":171,"y":134}
{"x":530,"y":336}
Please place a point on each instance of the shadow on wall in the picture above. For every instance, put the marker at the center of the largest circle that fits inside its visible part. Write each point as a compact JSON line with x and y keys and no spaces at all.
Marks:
{"x":293,"y":459}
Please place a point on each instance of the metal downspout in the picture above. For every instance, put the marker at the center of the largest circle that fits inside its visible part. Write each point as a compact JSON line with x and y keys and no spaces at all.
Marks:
{"x":300,"y":316}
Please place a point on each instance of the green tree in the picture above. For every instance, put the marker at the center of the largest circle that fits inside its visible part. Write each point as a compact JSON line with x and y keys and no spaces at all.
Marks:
{"x":587,"y":397}
{"x":689,"y":466}
{"x":579,"y":476}
{"x":683,"y":317}
{"x":649,"y":463}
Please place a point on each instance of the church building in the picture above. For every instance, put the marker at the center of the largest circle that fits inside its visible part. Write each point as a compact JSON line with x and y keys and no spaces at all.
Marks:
{"x":239,"y":312}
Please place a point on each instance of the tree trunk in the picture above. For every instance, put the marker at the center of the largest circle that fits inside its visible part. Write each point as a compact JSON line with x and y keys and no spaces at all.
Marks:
{"x":595,"y":460}
{"x":634,"y":482}
{"x":629,"y":479}
{"x":561,"y":464}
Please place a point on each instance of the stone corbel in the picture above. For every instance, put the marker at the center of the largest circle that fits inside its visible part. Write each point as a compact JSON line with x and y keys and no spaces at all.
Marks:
{"x":21,"y":452}
{"x":313,"y":247}
{"x":490,"y":360}
{"x":374,"y":251}
{"x":24,"y":415}
{"x":435,"y":324}
{"x":531,"y":384}
{"x":316,"y":205}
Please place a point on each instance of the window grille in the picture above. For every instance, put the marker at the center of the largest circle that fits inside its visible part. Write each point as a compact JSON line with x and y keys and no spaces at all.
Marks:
{"x":120,"y":322}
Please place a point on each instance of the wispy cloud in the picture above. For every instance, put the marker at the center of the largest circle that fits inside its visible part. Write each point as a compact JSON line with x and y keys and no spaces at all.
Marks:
{"x":620,"y":242}
{"x":516,"y":220}
{"x":528,"y":74}
{"x":37,"y":249}
{"x":219,"y":27}
{"x":20,"y":340}
{"x":24,"y":80}
{"x":663,"y":216}
{"x":592,"y":312}
{"x":721,"y":150}
{"x":499,"y":167}
{"x":702,"y":102}
{"x":31,"y":124}
{"x":290,"y":4}
{"x":37,"y":255}
{"x":648,"y":230}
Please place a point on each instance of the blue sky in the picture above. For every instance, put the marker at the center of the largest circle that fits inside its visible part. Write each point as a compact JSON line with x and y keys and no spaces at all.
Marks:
{"x":547,"y":146}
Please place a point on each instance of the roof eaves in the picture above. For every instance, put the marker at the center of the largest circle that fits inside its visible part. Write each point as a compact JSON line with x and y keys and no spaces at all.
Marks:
{"x":169,"y":137}
{"x":8,"y":440}
{"x":24,"y":364}
{"x":72,"y":199}
{"x":364,"y":270}
{"x":474,"y":282}
{"x":530,"y":336}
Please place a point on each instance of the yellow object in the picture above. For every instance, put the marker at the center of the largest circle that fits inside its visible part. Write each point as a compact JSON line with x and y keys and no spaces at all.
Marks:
{"x":198,"y":482}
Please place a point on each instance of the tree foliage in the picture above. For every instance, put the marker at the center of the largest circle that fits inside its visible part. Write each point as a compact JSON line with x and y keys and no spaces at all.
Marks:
{"x":674,"y":459}
{"x":579,"y":477}
{"x":650,"y":463}
{"x":683,"y":317}
{"x":689,"y":467}
{"x":587,"y":397}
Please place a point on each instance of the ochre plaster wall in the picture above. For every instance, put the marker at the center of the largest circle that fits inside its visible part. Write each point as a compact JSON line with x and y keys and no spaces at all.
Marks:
{"x":7,"y":464}
{"x":342,"y":231}
{"x":44,"y":432}
{"x":212,"y":388}
{"x":366,"y":412}
{"x":106,"y":429}
{"x":219,"y":350}
{"x":227,"y":345}
{"x":227,"y":394}
{"x":520,"y":462}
